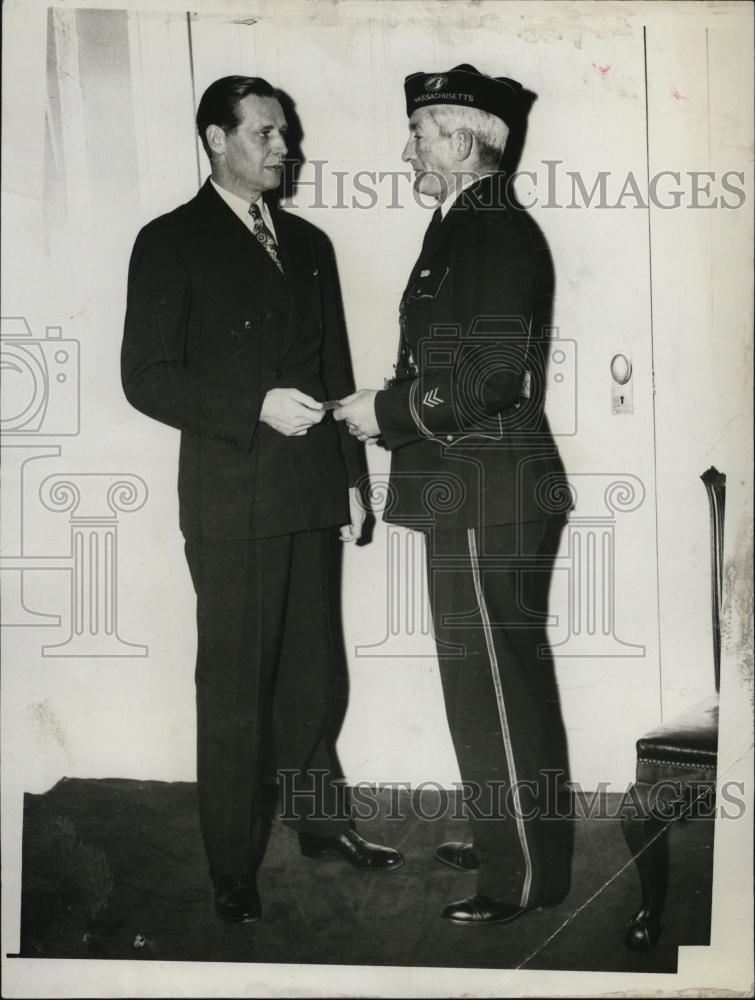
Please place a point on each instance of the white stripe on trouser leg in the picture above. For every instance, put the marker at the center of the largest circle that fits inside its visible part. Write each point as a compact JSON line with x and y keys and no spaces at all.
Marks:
{"x":501,"y":714}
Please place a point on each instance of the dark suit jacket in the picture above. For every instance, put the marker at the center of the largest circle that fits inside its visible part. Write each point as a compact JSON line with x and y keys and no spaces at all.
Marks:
{"x":211,"y":326}
{"x":469,"y":448}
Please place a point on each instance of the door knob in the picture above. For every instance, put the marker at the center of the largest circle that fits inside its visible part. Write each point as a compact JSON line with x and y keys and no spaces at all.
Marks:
{"x":622,"y":396}
{"x":621,"y":368}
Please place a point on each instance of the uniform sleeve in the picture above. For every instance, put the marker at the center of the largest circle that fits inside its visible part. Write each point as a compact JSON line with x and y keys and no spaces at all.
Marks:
{"x":155,"y":371}
{"x":472,"y":356}
{"x":336,"y":368}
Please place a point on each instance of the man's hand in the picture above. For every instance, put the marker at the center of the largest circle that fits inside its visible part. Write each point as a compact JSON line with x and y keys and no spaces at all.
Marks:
{"x":352,"y":532}
{"x":290,"y":412}
{"x":358,"y":410}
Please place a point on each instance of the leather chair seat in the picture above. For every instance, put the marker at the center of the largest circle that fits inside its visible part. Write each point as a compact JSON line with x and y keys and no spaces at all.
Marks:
{"x":685,"y":748}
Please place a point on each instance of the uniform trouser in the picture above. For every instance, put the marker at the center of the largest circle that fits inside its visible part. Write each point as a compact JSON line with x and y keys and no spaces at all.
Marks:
{"x":488,"y":591}
{"x":267,"y":663}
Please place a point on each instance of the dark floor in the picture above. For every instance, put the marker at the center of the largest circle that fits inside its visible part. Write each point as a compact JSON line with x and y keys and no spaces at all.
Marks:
{"x":114,"y":869}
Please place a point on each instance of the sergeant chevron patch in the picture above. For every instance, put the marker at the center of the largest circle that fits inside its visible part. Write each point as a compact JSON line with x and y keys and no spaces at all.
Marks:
{"x":431,"y":398}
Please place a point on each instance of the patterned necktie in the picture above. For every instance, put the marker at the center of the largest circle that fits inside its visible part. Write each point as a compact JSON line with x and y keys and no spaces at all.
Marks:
{"x":263,"y":236}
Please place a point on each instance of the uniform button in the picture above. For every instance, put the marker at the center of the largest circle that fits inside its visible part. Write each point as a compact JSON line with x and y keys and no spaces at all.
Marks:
{"x":247,"y":324}
{"x":449,"y":437}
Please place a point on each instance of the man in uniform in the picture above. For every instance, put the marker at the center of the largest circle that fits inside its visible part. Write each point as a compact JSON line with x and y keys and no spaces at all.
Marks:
{"x":234,"y":335}
{"x":475,"y":467}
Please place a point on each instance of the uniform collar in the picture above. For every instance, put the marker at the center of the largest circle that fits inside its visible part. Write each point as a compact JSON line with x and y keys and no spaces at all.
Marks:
{"x":445,"y":207}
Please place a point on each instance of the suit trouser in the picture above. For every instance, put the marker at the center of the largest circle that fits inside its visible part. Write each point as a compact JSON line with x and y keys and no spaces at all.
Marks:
{"x":488,"y":591}
{"x":265,"y":682}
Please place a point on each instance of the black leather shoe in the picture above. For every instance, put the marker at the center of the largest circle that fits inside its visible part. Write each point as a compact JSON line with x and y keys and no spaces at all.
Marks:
{"x":455,"y":854}
{"x":355,"y":849}
{"x":236,"y":898}
{"x":477,"y":910}
{"x":642,"y":931}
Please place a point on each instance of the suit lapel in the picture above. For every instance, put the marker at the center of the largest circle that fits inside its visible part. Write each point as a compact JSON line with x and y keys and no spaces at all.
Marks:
{"x":238,"y":251}
{"x":298,"y":268}
{"x":244,"y":263}
{"x":435,"y":240}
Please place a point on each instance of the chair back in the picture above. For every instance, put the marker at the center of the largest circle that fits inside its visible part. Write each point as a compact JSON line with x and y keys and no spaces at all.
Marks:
{"x":715,"y":486}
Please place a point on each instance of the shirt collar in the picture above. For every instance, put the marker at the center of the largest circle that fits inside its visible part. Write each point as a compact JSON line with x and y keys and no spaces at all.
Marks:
{"x":240,"y":206}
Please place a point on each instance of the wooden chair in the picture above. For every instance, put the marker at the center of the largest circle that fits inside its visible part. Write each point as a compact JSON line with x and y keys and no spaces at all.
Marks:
{"x":676,"y":764}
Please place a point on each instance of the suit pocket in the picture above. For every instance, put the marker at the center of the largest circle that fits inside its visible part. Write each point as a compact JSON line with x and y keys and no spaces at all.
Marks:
{"x":428,"y":283}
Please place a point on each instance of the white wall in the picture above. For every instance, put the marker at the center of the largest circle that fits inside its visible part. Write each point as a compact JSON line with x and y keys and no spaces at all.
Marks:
{"x":702,"y":266}
{"x":127,"y":153}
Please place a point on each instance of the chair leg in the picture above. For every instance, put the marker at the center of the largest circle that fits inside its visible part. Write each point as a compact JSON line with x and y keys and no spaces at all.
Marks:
{"x":647,"y":839}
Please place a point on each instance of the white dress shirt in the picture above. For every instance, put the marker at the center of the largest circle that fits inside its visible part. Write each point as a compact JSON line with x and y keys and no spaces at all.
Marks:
{"x":240,"y":208}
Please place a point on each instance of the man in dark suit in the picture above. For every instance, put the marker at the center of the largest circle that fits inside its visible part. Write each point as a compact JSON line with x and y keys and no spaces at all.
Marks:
{"x":474,"y":466}
{"x":234,"y":335}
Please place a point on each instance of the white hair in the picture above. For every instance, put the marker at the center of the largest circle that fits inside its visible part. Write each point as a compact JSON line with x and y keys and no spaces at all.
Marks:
{"x":490,"y":132}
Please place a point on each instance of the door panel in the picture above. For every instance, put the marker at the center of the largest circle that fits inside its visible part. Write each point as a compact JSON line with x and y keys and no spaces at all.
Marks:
{"x":605,"y":586}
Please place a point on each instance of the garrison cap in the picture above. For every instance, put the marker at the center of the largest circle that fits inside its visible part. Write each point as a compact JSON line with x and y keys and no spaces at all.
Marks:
{"x":466,"y":86}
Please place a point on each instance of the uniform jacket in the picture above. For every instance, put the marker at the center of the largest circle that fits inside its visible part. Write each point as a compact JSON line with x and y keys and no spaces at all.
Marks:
{"x":210,"y":326}
{"x":471,"y":445}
